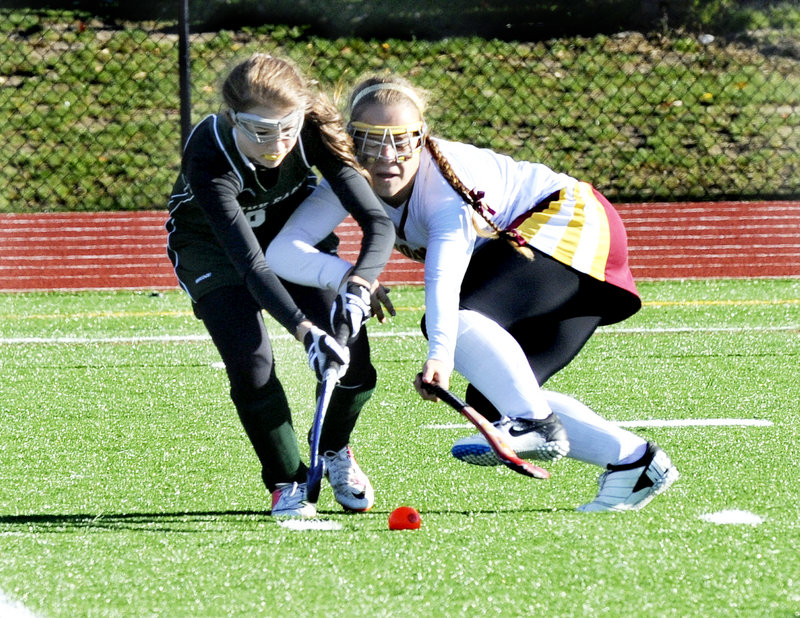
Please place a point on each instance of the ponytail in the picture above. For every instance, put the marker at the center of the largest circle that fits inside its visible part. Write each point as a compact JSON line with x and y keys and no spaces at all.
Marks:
{"x":324,"y":115}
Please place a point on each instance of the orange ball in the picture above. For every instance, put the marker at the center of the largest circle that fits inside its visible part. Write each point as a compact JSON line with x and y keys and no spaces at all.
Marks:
{"x":404,"y":518}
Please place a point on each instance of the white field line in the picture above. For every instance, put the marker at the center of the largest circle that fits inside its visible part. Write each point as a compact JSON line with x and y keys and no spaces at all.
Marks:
{"x":698,"y":329}
{"x":85,"y":340}
{"x":698,"y":422}
{"x":158,"y":338}
{"x":12,"y":609}
{"x":188,"y":313}
{"x":680,"y":422}
{"x":733,"y":516}
{"x":380,"y":335}
{"x":309,"y":524}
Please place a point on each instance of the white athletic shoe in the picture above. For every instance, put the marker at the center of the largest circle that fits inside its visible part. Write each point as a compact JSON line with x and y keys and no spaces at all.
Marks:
{"x":630,"y":487}
{"x":350,"y":485}
{"x":544,"y":439}
{"x":290,"y":500}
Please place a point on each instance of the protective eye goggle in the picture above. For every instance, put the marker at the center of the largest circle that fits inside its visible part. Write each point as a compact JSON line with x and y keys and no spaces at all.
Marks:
{"x":388,"y":143}
{"x":266,"y":130}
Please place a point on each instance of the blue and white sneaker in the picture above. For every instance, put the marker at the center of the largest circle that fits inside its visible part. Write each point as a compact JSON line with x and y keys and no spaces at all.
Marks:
{"x":630,"y":487}
{"x":350,"y":485}
{"x":290,"y":500}
{"x":543,"y":439}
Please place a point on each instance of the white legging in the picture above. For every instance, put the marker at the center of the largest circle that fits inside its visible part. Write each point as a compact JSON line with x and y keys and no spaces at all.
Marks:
{"x":492,"y":360}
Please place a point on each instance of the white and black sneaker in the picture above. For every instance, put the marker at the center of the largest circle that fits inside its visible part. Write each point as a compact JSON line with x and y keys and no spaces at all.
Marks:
{"x":543,"y":439}
{"x":350,"y":485}
{"x":630,"y":487}
{"x":290,"y":500}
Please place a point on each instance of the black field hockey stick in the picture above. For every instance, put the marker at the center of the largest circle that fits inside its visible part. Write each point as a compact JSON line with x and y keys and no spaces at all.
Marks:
{"x":501,"y":449}
{"x":316,"y":467}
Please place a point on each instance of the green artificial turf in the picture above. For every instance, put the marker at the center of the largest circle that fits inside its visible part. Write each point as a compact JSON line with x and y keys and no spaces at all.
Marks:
{"x":128,"y":488}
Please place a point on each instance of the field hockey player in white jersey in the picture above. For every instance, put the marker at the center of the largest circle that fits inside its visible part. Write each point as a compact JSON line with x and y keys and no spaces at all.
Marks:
{"x":522,"y":264}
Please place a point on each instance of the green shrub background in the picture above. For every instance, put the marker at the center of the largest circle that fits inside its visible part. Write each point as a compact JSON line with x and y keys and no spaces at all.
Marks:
{"x":90,"y":108}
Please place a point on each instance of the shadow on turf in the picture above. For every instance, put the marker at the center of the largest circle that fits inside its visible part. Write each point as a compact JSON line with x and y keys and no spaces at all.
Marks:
{"x":157,"y":522}
{"x":187,"y":521}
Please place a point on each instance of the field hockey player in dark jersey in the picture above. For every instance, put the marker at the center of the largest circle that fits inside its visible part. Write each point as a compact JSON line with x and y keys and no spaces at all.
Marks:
{"x":243,"y":172}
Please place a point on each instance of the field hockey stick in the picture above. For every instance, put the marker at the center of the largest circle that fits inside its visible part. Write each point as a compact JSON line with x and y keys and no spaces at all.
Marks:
{"x":501,"y":449}
{"x":316,"y":467}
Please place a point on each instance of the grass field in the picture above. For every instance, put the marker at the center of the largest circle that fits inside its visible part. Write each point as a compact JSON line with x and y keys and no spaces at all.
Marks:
{"x":127,"y":487}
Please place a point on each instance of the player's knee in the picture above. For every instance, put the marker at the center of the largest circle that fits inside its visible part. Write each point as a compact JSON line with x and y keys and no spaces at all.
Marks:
{"x":268,"y":403}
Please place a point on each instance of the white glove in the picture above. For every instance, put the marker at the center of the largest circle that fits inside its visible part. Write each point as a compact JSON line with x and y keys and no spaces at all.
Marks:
{"x":324,"y":351}
{"x":351,"y":309}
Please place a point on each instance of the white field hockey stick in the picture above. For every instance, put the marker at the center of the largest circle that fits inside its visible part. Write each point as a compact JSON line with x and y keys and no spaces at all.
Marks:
{"x":316,"y":467}
{"x":501,"y":449}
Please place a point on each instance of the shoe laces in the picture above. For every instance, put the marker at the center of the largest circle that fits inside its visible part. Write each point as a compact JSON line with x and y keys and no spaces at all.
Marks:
{"x":342,"y":468}
{"x":601,"y":481}
{"x":292,"y":493}
{"x":503,"y":422}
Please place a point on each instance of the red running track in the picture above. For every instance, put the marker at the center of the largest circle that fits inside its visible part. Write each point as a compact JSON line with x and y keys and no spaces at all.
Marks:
{"x":126,"y":250}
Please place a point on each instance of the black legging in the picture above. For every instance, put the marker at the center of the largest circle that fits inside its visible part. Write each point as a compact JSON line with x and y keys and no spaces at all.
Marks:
{"x":235,"y":323}
{"x":548,"y":307}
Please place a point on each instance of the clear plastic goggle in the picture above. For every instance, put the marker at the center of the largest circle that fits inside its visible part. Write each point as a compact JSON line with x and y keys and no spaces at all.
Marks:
{"x":389,"y":143}
{"x":266,"y":130}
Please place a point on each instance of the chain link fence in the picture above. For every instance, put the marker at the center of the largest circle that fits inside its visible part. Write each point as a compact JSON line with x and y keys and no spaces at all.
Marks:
{"x":91,"y":116}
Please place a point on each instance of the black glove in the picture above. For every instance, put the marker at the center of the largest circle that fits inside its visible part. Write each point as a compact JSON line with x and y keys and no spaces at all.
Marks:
{"x":351,"y":309}
{"x":324,"y":351}
{"x":379,"y":300}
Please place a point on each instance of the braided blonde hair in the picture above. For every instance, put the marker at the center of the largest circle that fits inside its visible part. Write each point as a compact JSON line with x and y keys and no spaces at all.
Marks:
{"x":475,"y":199}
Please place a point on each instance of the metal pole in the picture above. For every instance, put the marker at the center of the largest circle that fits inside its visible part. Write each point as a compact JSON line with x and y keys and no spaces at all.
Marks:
{"x":184,"y":70}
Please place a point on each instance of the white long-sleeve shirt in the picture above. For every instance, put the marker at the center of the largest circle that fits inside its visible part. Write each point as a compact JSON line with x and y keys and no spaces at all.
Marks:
{"x":435,"y":227}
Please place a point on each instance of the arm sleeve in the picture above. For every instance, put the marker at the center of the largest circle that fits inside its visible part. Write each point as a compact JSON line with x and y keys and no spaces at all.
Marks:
{"x":450,"y":243}
{"x":292,"y":253}
{"x":216,"y":192}
{"x":355,"y":194}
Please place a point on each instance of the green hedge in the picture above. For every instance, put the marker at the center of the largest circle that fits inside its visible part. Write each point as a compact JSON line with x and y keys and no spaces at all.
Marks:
{"x":504,"y":19}
{"x":90,"y":110}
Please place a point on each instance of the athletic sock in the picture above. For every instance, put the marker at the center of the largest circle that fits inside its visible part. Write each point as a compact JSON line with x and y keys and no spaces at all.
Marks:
{"x":267,"y":421}
{"x":492,"y":361}
{"x":343,"y":411}
{"x":592,"y":438}
{"x":635,"y":456}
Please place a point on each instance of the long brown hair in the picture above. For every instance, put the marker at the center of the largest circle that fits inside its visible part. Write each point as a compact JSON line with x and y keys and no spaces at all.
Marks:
{"x":262,"y":79}
{"x":386,"y":90}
